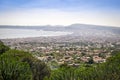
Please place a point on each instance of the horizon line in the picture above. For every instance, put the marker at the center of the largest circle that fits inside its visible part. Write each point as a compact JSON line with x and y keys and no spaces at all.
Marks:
{"x":63,"y":25}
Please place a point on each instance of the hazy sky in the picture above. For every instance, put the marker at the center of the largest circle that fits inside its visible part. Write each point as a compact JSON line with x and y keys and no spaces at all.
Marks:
{"x":59,"y":12}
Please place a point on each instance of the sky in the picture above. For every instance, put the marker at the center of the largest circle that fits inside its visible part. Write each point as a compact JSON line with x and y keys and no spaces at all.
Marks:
{"x":60,"y":12}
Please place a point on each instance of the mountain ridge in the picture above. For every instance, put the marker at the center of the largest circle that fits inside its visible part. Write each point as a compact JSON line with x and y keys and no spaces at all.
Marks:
{"x":82,"y":31}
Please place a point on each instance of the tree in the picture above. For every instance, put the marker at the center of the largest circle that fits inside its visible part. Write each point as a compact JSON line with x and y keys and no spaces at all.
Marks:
{"x":20,"y":65}
{"x":90,"y":61}
{"x":3,"y":48}
{"x":10,"y":69}
{"x":38,"y":68}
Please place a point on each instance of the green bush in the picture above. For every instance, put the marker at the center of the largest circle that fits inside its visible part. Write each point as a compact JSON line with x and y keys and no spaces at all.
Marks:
{"x":11,"y":69}
{"x":20,"y":65}
{"x":110,"y":70}
{"x":3,"y":48}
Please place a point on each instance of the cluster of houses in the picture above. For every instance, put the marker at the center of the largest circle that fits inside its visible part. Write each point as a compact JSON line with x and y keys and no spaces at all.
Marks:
{"x":68,"y":53}
{"x":74,"y":55}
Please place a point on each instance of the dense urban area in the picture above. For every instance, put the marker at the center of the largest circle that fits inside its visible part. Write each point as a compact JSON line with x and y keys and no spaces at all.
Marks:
{"x":55,"y":53}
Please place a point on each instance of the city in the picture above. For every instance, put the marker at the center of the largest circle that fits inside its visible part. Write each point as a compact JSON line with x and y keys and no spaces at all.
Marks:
{"x":55,"y":53}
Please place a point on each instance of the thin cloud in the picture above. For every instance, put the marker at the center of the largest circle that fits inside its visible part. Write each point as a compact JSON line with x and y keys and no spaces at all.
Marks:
{"x":59,"y":12}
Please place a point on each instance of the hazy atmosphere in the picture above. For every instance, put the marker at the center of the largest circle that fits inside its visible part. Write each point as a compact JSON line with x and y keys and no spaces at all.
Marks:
{"x":59,"y":39}
{"x":59,"y":12}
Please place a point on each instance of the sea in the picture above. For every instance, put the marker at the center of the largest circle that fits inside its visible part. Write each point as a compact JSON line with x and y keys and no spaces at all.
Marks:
{"x":6,"y":33}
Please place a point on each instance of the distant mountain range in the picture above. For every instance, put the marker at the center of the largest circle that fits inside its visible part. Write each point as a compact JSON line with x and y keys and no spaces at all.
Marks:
{"x":80,"y":31}
{"x":60,"y":27}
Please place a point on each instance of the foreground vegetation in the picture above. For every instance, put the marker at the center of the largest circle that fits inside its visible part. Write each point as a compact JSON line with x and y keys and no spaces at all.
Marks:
{"x":20,"y":65}
{"x":105,"y":71}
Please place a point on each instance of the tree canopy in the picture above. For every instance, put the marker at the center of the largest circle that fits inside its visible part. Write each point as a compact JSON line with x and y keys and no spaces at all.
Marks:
{"x":21,"y":65}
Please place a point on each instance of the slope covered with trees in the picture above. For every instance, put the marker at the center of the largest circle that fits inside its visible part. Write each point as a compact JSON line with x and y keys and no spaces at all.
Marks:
{"x":20,"y":65}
